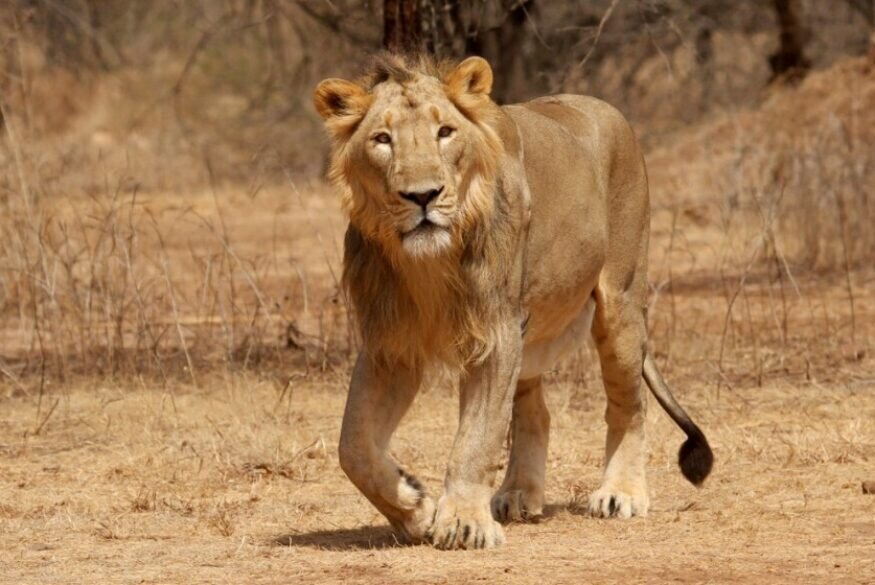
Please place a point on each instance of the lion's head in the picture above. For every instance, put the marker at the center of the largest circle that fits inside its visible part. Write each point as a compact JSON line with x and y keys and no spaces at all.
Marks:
{"x":413,"y":152}
{"x":416,"y":151}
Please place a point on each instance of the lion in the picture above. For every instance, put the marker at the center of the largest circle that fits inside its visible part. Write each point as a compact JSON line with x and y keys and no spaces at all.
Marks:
{"x":491,"y":240}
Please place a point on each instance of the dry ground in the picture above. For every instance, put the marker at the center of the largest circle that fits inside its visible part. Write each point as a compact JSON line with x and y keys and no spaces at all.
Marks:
{"x":233,"y":484}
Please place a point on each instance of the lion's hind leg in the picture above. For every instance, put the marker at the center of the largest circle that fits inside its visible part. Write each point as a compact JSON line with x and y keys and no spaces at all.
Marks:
{"x":619,"y":332}
{"x":377,"y":401}
{"x":521,"y":496}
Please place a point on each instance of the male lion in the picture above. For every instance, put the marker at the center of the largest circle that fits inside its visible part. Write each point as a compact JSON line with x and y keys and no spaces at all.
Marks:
{"x":490,"y":239}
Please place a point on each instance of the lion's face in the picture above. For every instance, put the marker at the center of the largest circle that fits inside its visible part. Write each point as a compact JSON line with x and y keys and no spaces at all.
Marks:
{"x":408,"y":158}
{"x":411,"y":144}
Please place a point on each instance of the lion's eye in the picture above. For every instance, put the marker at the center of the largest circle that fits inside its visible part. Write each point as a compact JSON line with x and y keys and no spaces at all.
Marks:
{"x":383,"y":138}
{"x":445,"y":131}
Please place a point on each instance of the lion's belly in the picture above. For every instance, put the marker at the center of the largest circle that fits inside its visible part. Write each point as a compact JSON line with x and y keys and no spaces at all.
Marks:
{"x":550,"y":344}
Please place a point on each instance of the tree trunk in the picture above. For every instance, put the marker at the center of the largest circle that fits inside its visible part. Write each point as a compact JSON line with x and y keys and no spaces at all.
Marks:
{"x":402,"y":26}
{"x":499,"y":31}
{"x":790,"y":60}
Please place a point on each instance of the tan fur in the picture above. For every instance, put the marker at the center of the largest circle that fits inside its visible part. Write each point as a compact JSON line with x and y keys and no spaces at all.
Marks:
{"x":480,"y":237}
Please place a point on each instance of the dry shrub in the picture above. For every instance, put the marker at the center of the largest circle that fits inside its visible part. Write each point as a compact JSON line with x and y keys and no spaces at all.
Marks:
{"x":152,"y":87}
{"x":124,"y":282}
{"x":802,"y":163}
{"x":821,"y":163}
{"x":763,"y":271}
{"x":222,"y":519}
{"x":828,"y":218}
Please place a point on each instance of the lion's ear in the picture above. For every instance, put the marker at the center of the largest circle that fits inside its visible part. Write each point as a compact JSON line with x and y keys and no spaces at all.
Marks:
{"x":471,"y":76}
{"x":468,"y":86}
{"x":338,"y":98}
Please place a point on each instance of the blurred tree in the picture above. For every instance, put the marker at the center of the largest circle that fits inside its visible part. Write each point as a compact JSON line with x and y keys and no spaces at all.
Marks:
{"x":494,"y":29}
{"x":503,"y":32}
{"x":790,"y":60}
{"x":866,"y":8}
{"x":402,"y":26}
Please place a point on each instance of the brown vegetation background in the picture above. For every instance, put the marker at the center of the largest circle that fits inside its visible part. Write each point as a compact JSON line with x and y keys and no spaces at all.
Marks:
{"x":174,"y":348}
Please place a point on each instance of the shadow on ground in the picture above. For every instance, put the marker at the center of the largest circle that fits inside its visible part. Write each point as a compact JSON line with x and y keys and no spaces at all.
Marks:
{"x":376,"y":537}
{"x":575,"y":509}
{"x":367,"y":537}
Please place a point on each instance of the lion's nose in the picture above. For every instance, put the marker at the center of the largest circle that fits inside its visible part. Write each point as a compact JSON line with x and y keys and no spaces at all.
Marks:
{"x":423,"y":198}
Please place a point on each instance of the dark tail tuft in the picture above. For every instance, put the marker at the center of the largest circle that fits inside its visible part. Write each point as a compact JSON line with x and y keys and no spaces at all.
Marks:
{"x":696,"y":458}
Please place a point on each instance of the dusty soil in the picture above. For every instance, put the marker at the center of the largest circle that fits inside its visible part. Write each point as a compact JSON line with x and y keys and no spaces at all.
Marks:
{"x":236,"y":483}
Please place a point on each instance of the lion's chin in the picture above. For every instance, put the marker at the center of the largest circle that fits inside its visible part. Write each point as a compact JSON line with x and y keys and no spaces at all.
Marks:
{"x":426,"y":241}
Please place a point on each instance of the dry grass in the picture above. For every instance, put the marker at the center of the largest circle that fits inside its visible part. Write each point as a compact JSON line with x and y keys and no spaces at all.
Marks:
{"x":799,"y":169}
{"x":232,"y":485}
{"x":133,"y":283}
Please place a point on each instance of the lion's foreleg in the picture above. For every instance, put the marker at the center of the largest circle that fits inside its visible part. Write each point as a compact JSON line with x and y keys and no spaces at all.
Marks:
{"x":378,"y":399}
{"x":521,"y":496}
{"x":464,"y":518}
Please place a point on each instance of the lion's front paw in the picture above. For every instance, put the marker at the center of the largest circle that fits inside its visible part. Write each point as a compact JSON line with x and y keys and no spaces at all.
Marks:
{"x":516,"y":506}
{"x":462,"y":523}
{"x":416,"y":526}
{"x":619,"y":500}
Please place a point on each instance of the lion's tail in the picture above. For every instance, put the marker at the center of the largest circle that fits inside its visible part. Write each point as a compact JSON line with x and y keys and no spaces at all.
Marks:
{"x":695,"y":457}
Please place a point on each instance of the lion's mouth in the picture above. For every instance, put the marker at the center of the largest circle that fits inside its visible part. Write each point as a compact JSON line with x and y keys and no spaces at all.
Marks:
{"x":424,"y":227}
{"x":426,"y":239}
